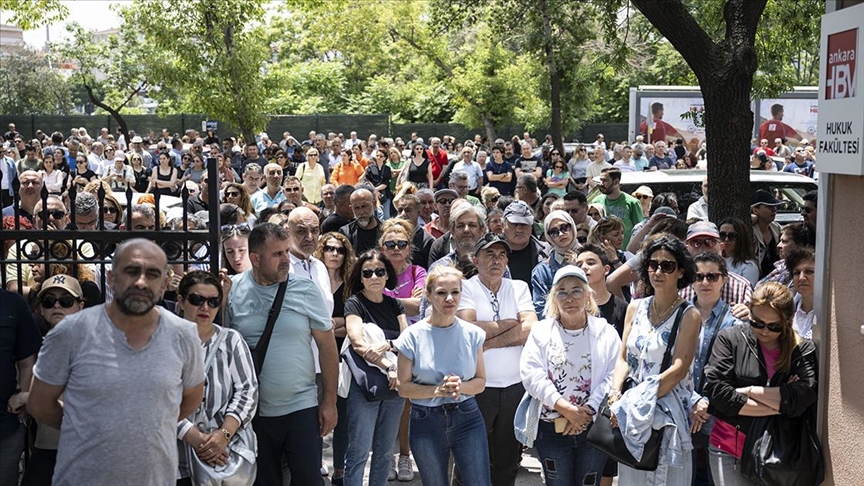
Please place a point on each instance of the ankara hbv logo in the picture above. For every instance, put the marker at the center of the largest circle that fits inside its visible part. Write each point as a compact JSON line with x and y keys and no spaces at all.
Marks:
{"x":840,"y":71}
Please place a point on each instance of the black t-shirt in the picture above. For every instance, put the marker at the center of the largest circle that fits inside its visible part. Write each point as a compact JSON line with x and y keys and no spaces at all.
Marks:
{"x":333,"y":223}
{"x":366,"y":239}
{"x":384,"y":314}
{"x":522,"y":264}
{"x":19,"y":339}
{"x":614,"y":311}
{"x":528,"y":164}
{"x":339,"y":310}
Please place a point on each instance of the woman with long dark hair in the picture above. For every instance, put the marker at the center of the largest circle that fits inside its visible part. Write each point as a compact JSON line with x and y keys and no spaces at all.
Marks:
{"x":736,"y":239}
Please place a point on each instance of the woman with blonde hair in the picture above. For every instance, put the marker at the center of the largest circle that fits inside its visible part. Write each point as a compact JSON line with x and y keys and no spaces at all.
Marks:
{"x":760,"y":370}
{"x":567,"y":365}
{"x":490,"y":196}
{"x":311,"y":175}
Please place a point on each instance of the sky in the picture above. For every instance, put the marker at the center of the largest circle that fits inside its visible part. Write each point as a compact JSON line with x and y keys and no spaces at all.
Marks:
{"x":91,"y":14}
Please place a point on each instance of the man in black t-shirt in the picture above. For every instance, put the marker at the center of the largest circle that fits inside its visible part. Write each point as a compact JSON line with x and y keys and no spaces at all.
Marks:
{"x":342,"y":213}
{"x":363,"y":232}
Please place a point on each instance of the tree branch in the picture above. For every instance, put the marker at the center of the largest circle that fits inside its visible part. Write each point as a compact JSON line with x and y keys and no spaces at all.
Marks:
{"x":672,"y":19}
{"x":132,"y":95}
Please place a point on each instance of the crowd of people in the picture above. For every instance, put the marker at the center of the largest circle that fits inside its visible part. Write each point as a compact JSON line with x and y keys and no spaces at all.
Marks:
{"x":408,"y":297}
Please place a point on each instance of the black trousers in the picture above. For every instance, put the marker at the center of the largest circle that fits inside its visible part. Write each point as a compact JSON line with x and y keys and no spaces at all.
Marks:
{"x":297,"y":437}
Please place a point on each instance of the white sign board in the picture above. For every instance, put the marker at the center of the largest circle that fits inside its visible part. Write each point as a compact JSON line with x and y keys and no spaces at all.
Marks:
{"x":840,"y":128}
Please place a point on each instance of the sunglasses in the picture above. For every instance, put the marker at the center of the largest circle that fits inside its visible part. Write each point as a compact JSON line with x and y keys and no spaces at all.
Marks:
{"x":773,"y":327}
{"x":232,"y":194}
{"x":445,"y":202}
{"x":378,"y":272}
{"x":66,"y":301}
{"x":642,"y":196}
{"x":335,"y":249}
{"x":710,"y":276}
{"x":494,"y":199}
{"x":56,"y":214}
{"x":702,"y":243}
{"x":235,"y":228}
{"x":199,"y":300}
{"x":292,"y":189}
{"x":110,"y":210}
{"x":582,"y":239}
{"x":392,"y":245}
{"x":731,"y":236}
{"x":560,"y":230}
{"x":665,"y":266}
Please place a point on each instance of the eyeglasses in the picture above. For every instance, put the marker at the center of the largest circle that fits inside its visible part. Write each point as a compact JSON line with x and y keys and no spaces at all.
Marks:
{"x":378,"y":272}
{"x":560,"y":230}
{"x":665,"y":266}
{"x":199,"y":300}
{"x":582,"y":150}
{"x":341,"y":250}
{"x":54,"y":213}
{"x":110,"y":210}
{"x":66,"y":301}
{"x":292,"y":189}
{"x":494,"y":198}
{"x":772,"y":326}
{"x":496,"y":307}
{"x":731,"y":236}
{"x":642,"y":196}
{"x":445,"y":202}
{"x":232,"y":194}
{"x":573,"y":294}
{"x":712,"y":277}
{"x":555,"y":153}
{"x":235,"y":228}
{"x":286,"y":212}
{"x":707,"y":243}
{"x":392,"y":245}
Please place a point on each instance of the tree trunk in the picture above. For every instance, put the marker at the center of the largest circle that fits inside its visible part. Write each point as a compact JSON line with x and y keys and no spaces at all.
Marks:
{"x":491,"y":130}
{"x":725,"y":71}
{"x":554,"y":78}
{"x":115,"y":114}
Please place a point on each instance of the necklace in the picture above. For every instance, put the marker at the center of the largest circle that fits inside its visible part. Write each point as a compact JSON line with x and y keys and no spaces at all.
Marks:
{"x":665,"y":315}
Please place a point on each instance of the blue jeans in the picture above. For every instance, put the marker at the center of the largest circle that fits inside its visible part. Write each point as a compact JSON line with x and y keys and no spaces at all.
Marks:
{"x":456,"y":428}
{"x":371,"y":426}
{"x":568,"y":459}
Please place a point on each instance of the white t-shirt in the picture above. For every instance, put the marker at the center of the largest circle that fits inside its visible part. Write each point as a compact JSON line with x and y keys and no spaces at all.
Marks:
{"x":502,"y":364}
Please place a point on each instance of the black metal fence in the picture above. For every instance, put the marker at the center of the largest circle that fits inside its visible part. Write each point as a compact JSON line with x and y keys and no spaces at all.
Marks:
{"x":184,"y":244}
{"x":298,"y":125}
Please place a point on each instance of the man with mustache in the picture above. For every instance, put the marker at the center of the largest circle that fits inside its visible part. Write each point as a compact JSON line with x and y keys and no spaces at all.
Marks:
{"x":128,"y":371}
{"x":363,"y":232}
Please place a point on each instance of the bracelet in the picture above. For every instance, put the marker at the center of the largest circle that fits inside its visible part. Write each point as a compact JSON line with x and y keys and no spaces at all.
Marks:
{"x":225,"y":433}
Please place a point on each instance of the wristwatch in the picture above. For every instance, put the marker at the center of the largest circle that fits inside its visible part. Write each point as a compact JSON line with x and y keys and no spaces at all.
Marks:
{"x":225,"y":433}
{"x":390,"y":368}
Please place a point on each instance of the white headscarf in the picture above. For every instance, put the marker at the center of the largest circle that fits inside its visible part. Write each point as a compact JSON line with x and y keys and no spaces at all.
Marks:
{"x":561,"y":253}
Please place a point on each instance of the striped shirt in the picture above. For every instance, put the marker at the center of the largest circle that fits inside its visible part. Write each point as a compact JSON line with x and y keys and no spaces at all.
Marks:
{"x":231,"y":388}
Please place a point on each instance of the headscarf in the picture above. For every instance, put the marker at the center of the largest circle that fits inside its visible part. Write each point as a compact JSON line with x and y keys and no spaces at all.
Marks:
{"x":561,"y":253}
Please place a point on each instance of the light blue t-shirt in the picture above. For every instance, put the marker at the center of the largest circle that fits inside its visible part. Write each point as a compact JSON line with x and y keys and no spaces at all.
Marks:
{"x":287,"y":381}
{"x":440,"y":351}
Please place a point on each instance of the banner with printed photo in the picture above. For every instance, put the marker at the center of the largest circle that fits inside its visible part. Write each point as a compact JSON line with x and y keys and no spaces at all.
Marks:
{"x":660,"y":119}
{"x":790,"y":118}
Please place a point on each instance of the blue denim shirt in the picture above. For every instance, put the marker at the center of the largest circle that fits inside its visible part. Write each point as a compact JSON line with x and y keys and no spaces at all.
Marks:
{"x":713,"y":325}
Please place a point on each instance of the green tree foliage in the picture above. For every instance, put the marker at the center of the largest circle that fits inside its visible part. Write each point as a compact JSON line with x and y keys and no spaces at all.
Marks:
{"x":209,"y":56}
{"x":31,"y":86}
{"x":30,"y":14}
{"x":113,"y":81}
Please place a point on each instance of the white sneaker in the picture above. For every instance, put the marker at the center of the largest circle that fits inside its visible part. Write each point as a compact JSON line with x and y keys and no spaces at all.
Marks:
{"x":391,"y":476}
{"x":406,"y":469}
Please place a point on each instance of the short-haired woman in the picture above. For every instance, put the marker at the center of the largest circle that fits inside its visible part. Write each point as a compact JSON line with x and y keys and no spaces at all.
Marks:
{"x":759,"y":370}
{"x":441,"y":369}
{"x":567,"y":364}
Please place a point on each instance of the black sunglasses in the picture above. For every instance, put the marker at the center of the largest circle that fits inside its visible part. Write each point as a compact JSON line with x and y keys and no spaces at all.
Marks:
{"x":378,"y":272}
{"x":55,"y":213}
{"x":232,"y":194}
{"x":711,"y":277}
{"x":731,"y":236}
{"x":110,"y":210}
{"x":338,"y":249}
{"x":198,"y":300}
{"x":66,"y":301}
{"x":235,"y":228}
{"x":773,"y":327}
{"x":556,"y":232}
{"x":666,"y":266}
{"x":582,"y":239}
{"x":392,"y":245}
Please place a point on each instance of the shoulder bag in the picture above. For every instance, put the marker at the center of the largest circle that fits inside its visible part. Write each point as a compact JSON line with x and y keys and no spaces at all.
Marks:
{"x":241,"y":468}
{"x":260,"y":351}
{"x":609,"y":440}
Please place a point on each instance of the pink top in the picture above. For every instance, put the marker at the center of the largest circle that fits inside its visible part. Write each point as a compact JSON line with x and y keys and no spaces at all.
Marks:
{"x":414,"y":277}
{"x":726,"y":437}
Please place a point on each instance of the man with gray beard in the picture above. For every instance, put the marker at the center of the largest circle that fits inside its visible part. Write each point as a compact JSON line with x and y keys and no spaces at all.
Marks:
{"x":127,"y":371}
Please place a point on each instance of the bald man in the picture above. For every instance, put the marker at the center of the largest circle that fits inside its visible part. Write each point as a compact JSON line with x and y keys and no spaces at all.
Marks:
{"x":303,"y":231}
{"x":127,"y":358}
{"x":363,"y":232}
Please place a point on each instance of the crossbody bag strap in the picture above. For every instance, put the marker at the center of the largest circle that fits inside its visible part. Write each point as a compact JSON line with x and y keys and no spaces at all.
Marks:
{"x":714,"y":338}
{"x":264,"y":342}
{"x":673,"y":336}
{"x":223,"y":334}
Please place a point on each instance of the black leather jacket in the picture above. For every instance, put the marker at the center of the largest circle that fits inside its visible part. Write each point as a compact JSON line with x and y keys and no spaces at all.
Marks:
{"x":736,"y":361}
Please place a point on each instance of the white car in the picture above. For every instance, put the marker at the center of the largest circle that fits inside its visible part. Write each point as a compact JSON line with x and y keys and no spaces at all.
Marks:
{"x":687,"y":185}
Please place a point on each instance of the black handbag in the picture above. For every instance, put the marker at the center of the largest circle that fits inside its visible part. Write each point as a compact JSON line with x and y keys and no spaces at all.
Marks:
{"x":782,"y":451}
{"x":609,"y":440}
{"x":260,"y":351}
